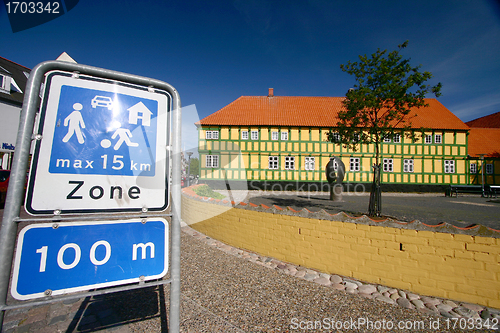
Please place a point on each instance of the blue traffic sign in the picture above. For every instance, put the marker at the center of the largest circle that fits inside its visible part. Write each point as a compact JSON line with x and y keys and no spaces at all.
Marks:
{"x":54,"y":259}
{"x":104,"y":133}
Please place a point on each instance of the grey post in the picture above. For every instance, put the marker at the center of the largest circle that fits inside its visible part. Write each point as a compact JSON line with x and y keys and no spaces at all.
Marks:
{"x":20,"y":164}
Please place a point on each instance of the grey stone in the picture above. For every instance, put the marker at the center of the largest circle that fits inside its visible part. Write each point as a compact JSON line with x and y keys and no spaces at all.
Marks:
{"x":405,"y":303}
{"x":393,"y":291}
{"x":323,"y":281}
{"x":323,"y":275}
{"x":354,"y":282}
{"x":445,"y":314}
{"x":350,"y":285}
{"x":386,"y":294}
{"x":339,"y":286}
{"x":351,"y":291}
{"x":485,"y":314}
{"x":464,"y":312}
{"x":444,"y":307}
{"x":382,"y":289}
{"x":310,"y":277}
{"x":473,"y":307}
{"x":418,"y":303}
{"x":336,"y":279}
{"x":394,"y":296}
{"x":367,"y":289}
{"x":412,"y":297}
{"x":385,"y":299}
{"x":402,"y":293}
{"x":450,"y":303}
{"x":430,"y":300}
{"x":300,"y":274}
{"x":365,"y":295}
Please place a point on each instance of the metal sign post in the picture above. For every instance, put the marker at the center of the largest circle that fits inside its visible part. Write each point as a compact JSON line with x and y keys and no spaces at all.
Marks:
{"x":103,"y":146}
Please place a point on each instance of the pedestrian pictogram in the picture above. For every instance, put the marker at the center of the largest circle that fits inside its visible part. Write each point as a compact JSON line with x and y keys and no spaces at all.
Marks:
{"x":103,"y":144}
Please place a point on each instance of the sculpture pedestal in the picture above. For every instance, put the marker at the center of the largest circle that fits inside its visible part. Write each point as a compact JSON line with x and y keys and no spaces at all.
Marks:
{"x":336,"y":191}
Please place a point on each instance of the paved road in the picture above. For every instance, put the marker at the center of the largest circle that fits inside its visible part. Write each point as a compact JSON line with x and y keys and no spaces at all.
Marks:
{"x":428,"y":208}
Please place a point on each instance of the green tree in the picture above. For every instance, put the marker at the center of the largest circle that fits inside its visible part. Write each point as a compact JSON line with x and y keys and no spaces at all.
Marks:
{"x":379,"y":106}
{"x":194,"y":168}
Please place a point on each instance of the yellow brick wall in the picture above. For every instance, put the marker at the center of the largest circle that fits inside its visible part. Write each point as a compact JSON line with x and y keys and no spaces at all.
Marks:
{"x":454,"y":266}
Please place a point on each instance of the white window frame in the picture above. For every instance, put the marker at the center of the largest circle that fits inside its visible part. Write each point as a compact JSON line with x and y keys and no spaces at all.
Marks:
{"x":436,"y":140}
{"x":289,"y":162}
{"x":397,"y":138}
{"x":273,"y":162}
{"x":5,"y":82}
{"x":284,"y":136}
{"x":387,"y":139}
{"x":489,"y":169}
{"x":244,"y":135}
{"x":255,"y":135}
{"x":388,"y":165}
{"x":336,"y":137}
{"x":473,"y":168}
{"x":354,"y":164}
{"x":212,"y":135}
{"x":408,"y":165}
{"x":428,"y":139}
{"x":212,"y":161}
{"x":310,"y":163}
{"x":274,"y":135}
{"x":449,"y":166}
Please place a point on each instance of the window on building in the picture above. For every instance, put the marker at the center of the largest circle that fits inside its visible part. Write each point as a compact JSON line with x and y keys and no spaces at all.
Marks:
{"x":428,"y":139}
{"x":212,"y":135}
{"x":310,"y":163}
{"x":397,"y":138}
{"x":273,"y":162}
{"x":5,"y":83}
{"x":489,"y":169}
{"x":244,"y":135}
{"x":449,"y":166}
{"x":387,"y":139}
{"x":212,"y":161}
{"x":284,"y":136}
{"x":354,"y":164}
{"x":438,"y":138}
{"x":356,"y":137}
{"x":255,"y":135}
{"x":473,"y":168}
{"x":408,"y":165}
{"x":289,"y":163}
{"x":336,"y":137}
{"x":274,"y":136}
{"x":387,"y":165}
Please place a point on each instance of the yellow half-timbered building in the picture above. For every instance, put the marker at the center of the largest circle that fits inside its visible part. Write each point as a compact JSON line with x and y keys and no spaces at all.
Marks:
{"x":266,"y":140}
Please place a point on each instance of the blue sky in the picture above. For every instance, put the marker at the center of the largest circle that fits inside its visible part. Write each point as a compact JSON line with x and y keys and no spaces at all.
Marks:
{"x":212,"y":52}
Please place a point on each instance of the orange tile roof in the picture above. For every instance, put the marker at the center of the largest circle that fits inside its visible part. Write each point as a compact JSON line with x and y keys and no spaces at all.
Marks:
{"x":491,"y":121}
{"x":484,"y":141}
{"x":314,"y":112}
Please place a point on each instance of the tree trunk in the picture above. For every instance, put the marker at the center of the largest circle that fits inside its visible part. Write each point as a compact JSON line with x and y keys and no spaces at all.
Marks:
{"x":375,"y":205}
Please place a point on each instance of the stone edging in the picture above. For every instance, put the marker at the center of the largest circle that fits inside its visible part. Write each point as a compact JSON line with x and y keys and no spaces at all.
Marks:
{"x":405,"y":299}
{"x":444,"y":227}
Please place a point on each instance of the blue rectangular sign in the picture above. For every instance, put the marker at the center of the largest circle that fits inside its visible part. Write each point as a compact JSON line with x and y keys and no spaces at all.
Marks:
{"x":58,"y":258}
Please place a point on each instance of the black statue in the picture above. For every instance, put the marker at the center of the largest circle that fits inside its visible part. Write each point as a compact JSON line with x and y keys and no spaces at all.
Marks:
{"x":335,"y":177}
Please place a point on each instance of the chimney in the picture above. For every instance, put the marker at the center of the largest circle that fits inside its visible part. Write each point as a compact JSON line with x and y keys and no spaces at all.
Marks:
{"x":271,"y":92}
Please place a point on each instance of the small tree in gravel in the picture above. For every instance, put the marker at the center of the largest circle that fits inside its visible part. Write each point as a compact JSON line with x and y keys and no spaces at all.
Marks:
{"x":379,"y":106}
